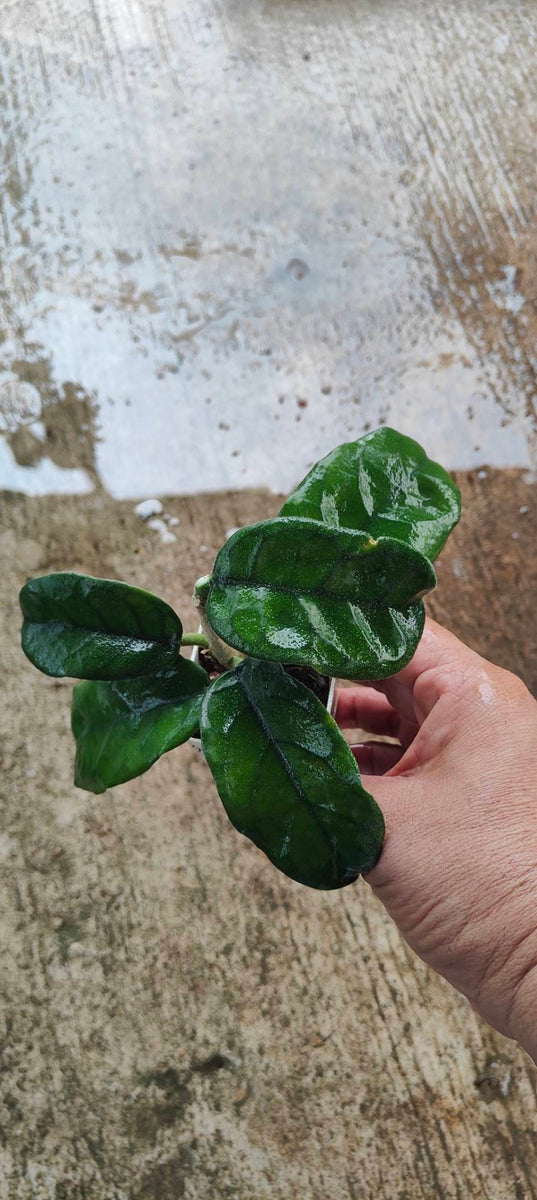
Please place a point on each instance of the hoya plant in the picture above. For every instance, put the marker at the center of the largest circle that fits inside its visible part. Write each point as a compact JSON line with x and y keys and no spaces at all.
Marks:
{"x":330,"y":588}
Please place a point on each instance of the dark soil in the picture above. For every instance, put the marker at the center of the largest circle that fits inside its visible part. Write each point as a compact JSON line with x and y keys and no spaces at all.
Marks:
{"x":209,"y":663}
{"x":318,"y":684}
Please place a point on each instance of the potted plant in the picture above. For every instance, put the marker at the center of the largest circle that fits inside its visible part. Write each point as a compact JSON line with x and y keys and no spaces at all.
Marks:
{"x":331,"y":588}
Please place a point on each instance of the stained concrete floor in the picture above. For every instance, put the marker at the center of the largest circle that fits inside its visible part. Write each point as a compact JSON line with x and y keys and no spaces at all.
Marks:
{"x":232,"y":235}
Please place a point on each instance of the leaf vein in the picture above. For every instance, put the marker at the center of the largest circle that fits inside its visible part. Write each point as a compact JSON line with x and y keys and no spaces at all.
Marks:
{"x":329,"y":842}
{"x":288,"y":589}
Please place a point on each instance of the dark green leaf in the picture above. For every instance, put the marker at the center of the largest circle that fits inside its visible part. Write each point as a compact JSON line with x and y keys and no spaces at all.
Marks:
{"x":383,"y":485}
{"x":297,"y":591}
{"x":121,"y":728}
{"x":287,"y":778}
{"x":97,"y":628}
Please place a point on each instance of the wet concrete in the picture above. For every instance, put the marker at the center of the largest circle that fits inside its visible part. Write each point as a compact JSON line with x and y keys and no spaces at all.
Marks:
{"x":166,"y":167}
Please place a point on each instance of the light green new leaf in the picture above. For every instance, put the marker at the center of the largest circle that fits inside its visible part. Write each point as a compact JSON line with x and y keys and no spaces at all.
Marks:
{"x":121,"y":728}
{"x":287,"y":778}
{"x":96,"y":628}
{"x":296,"y":591}
{"x":385,"y":485}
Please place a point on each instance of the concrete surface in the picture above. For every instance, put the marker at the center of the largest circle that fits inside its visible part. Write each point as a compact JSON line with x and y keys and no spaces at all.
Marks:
{"x":214,"y":211}
{"x":233,"y":234}
{"x":178,"y":1019}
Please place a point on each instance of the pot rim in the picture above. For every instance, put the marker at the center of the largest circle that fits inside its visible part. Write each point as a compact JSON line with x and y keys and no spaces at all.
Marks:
{"x":330,"y":703}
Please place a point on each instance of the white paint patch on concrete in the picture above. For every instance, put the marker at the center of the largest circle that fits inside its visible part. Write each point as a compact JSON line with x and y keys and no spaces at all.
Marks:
{"x":43,"y":479}
{"x":505,"y":293}
{"x":38,"y":430}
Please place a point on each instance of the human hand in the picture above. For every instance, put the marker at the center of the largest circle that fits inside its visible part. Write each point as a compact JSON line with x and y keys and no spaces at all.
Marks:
{"x":458,"y":871}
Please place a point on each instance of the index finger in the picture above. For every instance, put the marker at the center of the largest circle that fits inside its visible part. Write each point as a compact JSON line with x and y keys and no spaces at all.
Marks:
{"x":442,"y":663}
{"x":360,"y":707}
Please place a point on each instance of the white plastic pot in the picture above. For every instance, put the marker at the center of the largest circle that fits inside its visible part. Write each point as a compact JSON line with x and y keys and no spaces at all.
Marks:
{"x":330,"y":704}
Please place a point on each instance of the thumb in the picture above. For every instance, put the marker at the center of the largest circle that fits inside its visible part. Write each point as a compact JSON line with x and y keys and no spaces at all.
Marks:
{"x":400,"y":800}
{"x":441,"y":665}
{"x":435,"y":691}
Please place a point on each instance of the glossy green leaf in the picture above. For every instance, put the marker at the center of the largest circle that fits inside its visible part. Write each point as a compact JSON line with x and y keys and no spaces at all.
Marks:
{"x":385,"y":485}
{"x":287,"y":778}
{"x":121,"y":728}
{"x":97,"y":628}
{"x":296,"y":591}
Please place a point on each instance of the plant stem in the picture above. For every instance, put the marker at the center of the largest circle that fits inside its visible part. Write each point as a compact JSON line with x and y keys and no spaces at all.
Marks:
{"x":222,"y":653}
{"x":195,"y":639}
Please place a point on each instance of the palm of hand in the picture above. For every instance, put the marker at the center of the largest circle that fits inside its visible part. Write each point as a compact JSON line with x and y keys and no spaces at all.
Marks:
{"x":459,"y":867}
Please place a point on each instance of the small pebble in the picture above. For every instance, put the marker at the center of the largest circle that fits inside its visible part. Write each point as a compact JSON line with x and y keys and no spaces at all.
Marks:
{"x":523,"y":510}
{"x":482,"y":474}
{"x":159,"y":527}
{"x":174,"y":521}
{"x":148,"y":508}
{"x":515,"y":536}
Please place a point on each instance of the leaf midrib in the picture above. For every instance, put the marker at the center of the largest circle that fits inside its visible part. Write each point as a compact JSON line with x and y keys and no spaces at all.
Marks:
{"x":290,"y":773}
{"x":321,"y":593}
